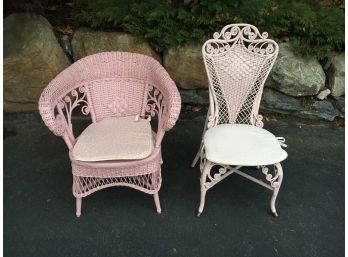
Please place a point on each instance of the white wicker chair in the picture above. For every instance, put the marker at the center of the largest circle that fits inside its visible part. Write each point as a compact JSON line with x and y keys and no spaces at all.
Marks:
{"x":238,"y":61}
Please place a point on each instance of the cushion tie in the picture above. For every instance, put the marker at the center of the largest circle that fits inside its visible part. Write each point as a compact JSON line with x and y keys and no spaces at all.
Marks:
{"x":281,"y":141}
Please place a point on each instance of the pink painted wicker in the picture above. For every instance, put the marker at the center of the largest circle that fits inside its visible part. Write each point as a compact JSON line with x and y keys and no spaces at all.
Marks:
{"x":237,"y":60}
{"x":112,"y":84}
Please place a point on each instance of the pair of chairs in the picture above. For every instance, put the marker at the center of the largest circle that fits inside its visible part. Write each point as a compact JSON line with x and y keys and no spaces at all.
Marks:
{"x":122,"y":91}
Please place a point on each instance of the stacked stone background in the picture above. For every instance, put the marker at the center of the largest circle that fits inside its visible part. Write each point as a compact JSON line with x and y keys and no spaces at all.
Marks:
{"x":297,"y":85}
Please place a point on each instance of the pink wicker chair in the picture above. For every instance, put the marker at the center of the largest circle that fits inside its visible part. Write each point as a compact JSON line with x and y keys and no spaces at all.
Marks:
{"x":238,"y":61}
{"x":108,"y":86}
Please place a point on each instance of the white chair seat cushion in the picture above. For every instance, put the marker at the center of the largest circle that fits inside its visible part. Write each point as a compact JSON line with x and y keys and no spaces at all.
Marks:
{"x":241,"y":144}
{"x":123,"y":138}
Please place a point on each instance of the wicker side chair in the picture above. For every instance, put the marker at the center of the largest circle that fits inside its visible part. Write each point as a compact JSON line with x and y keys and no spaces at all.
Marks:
{"x":238,"y":61}
{"x":120,"y":92}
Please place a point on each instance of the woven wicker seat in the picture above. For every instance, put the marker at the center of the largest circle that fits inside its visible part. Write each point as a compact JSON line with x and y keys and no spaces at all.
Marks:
{"x":238,"y":60}
{"x":112,"y":88}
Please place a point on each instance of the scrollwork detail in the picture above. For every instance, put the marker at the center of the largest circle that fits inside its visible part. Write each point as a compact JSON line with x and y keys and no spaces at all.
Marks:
{"x":242,"y":34}
{"x":155,"y":104}
{"x":222,"y":172}
{"x":258,"y":121}
{"x":211,"y":121}
{"x":202,"y":158}
{"x":69,"y":102}
{"x":273,"y":179}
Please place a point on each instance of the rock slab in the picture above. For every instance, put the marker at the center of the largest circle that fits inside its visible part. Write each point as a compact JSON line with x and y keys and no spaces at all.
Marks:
{"x":32,"y":58}
{"x":336,"y":75}
{"x":296,"y":75}
{"x":87,"y":41}
{"x":339,"y":103}
{"x":276,"y":102}
{"x":185,"y":66}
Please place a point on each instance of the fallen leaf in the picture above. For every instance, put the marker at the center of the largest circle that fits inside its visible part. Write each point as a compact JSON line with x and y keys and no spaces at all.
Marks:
{"x":196,"y":109}
{"x":66,"y":29}
{"x":52,"y":7}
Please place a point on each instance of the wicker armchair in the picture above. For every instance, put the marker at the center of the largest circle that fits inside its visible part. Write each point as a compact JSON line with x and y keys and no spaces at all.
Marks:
{"x":121,"y":92}
{"x":238,"y":61}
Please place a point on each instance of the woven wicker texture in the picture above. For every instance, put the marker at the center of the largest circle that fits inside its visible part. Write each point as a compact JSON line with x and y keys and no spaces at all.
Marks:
{"x":112,"y":84}
{"x":117,"y":97}
{"x":93,"y":70}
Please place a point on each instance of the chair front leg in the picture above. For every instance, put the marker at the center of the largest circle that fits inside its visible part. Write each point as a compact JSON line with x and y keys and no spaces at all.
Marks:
{"x":276,"y":186}
{"x":206,"y":170}
{"x":157,"y":203}
{"x":156,"y":185}
{"x":78,"y":206}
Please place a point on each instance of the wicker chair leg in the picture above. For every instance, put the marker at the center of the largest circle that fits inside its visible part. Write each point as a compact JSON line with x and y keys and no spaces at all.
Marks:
{"x":157,"y":203}
{"x":78,"y":206}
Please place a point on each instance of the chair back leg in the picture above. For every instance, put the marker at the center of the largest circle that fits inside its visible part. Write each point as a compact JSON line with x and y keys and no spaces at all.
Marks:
{"x":195,"y":160}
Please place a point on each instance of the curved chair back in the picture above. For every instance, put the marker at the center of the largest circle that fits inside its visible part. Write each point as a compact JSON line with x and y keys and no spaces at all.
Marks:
{"x":109,"y":84}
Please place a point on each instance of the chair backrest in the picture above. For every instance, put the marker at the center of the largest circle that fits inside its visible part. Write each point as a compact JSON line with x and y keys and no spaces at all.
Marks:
{"x":238,"y":61}
{"x":116,"y":83}
{"x":110,"y":84}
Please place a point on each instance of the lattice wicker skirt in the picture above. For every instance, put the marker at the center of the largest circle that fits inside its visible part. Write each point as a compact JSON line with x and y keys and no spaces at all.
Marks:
{"x":145,"y":176}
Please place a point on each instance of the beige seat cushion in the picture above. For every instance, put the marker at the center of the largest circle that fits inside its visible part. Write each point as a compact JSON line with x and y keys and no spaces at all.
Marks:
{"x":123,"y":138}
{"x":240,"y":144}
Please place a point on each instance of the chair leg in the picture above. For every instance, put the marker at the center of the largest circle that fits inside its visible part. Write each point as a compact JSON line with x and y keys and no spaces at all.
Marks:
{"x":276,"y":188}
{"x":157,"y":203}
{"x":78,"y":206}
{"x":206,"y":170}
{"x":195,"y":160}
{"x":202,"y":202}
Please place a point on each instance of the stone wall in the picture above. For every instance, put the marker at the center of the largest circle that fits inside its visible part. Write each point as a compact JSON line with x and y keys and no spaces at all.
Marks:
{"x":297,"y":85}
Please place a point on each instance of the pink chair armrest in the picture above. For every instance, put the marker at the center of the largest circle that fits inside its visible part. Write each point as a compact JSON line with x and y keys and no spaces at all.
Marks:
{"x":56,"y":123}
{"x":171,"y":97}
